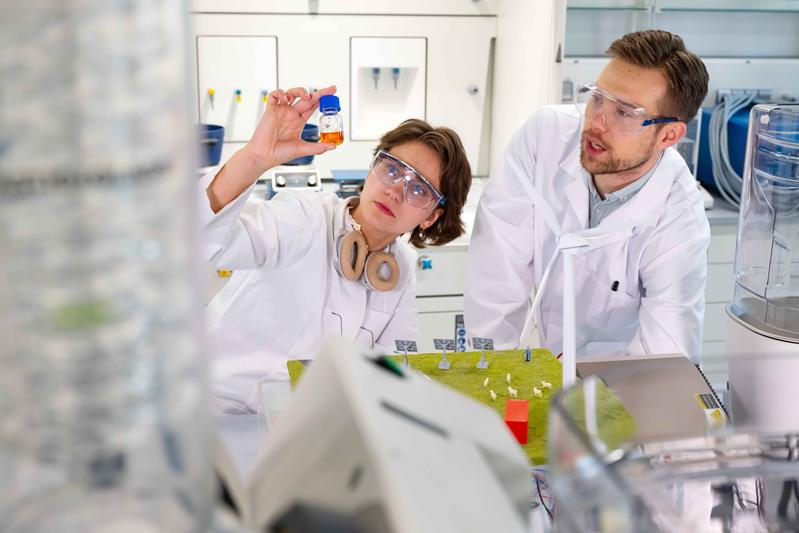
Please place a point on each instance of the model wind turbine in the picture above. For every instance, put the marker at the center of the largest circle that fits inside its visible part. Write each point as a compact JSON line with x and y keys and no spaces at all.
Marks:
{"x":569,"y":245}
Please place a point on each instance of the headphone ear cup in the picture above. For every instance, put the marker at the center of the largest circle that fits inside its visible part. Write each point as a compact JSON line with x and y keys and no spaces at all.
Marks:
{"x":352,"y":255}
{"x":374,"y":263}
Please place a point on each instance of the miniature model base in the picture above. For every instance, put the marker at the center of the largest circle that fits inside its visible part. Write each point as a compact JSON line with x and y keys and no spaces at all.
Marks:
{"x":492,"y":386}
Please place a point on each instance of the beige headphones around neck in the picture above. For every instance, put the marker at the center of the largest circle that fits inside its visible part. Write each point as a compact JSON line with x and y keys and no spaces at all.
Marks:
{"x":378,"y":271}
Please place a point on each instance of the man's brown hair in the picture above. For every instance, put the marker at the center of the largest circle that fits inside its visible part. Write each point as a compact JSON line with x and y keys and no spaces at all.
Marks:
{"x":685,"y":73}
{"x":456,"y":177}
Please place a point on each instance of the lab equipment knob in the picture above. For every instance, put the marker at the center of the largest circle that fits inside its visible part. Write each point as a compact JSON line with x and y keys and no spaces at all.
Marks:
{"x":280,"y":181}
{"x":473,"y":89}
{"x":312,"y":181}
{"x":425,"y":262}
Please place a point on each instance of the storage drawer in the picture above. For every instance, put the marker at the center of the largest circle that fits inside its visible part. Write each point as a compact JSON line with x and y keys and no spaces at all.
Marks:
{"x":438,"y":304}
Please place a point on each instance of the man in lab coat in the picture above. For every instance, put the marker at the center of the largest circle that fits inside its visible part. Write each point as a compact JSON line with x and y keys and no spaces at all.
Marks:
{"x":608,"y":163}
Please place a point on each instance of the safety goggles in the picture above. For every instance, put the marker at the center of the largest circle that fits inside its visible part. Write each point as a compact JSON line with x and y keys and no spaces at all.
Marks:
{"x":416,"y":190}
{"x":616,"y":113}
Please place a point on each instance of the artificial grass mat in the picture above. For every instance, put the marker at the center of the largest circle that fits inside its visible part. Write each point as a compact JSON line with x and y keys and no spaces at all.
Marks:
{"x":464,"y":377}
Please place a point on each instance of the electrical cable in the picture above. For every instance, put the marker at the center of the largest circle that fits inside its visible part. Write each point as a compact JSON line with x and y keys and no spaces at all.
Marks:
{"x":728,"y":182}
{"x":541,"y":498}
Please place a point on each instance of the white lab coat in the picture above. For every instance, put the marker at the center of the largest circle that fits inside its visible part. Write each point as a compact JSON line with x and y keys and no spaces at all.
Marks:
{"x":660,"y":267}
{"x":280,"y":302}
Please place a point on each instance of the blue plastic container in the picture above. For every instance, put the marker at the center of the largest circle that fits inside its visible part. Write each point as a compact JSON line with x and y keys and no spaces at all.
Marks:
{"x":310,"y":133}
{"x":737,"y":129}
{"x":211,"y":138}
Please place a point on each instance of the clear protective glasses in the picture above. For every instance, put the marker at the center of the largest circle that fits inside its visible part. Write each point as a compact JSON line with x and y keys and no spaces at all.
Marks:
{"x":616,"y":113}
{"x":416,"y":190}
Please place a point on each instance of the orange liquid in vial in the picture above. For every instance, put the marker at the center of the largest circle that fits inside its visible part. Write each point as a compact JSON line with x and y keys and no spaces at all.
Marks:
{"x":335,"y":137}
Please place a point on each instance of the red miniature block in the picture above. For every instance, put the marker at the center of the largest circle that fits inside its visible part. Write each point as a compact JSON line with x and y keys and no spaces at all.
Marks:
{"x":516,"y":418}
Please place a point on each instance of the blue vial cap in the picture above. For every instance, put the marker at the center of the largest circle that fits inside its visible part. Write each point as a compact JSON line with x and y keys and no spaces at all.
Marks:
{"x":329,"y":103}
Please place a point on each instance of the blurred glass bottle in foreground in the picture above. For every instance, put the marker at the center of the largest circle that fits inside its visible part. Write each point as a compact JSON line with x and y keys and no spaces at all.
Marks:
{"x":103,"y":405}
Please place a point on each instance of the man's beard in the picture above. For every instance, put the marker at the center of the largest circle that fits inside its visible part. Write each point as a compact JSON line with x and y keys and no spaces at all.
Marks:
{"x":610,"y":164}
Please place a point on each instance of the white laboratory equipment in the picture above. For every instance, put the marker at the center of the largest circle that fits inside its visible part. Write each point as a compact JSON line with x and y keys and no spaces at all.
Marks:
{"x":763,"y":318}
{"x":103,"y":403}
{"x":367,"y":442}
{"x":302,"y":178}
{"x":299,"y":174}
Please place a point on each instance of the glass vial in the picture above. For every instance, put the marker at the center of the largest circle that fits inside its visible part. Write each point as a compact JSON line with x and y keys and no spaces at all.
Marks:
{"x":331,"y":124}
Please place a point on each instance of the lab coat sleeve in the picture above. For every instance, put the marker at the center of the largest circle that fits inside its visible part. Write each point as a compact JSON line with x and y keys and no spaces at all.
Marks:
{"x":499,"y":273}
{"x":672,"y":308}
{"x":276,"y":235}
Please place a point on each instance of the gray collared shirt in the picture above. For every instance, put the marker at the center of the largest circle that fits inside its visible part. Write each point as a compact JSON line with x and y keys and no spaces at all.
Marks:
{"x":599,"y":209}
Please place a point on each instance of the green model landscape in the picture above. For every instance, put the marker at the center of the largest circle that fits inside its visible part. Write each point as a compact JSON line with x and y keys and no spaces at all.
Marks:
{"x":464,"y":377}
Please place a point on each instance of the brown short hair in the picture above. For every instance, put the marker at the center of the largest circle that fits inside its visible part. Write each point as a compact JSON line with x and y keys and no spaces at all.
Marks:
{"x":456,"y":177}
{"x":686,"y":74}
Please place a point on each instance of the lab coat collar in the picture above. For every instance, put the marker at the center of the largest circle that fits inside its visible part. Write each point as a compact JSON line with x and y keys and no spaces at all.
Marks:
{"x":642,"y":209}
{"x":650,"y":201}
{"x":576,"y":190}
{"x":342,"y":222}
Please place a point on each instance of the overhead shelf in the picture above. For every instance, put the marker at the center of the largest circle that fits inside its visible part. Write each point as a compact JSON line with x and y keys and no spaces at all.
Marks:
{"x":737,"y":6}
{"x":657,"y":6}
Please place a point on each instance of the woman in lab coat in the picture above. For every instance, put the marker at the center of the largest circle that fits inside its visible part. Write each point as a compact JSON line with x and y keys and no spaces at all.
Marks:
{"x":308,"y":266}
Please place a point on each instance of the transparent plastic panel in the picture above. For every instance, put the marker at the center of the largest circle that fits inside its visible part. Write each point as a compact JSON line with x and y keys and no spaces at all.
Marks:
{"x":723,"y":479}
{"x":767,"y":258}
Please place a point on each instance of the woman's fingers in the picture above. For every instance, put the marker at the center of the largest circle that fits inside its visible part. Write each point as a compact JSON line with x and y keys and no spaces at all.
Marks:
{"x":327,"y":91}
{"x":307,"y":106}
{"x":277,"y":97}
{"x":308,"y":148}
{"x":297,"y":92}
{"x":299,"y":98}
{"x":307,"y":114}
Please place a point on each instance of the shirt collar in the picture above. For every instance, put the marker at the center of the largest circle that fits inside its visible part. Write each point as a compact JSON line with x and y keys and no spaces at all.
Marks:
{"x":623,"y":194}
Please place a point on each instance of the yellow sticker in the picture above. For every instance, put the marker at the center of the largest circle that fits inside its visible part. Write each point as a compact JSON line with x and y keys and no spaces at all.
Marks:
{"x":714,"y":414}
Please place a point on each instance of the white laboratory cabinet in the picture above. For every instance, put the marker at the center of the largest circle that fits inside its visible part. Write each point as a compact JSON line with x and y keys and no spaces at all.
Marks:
{"x":231,"y":93}
{"x":479,"y":67}
{"x":344,"y":50}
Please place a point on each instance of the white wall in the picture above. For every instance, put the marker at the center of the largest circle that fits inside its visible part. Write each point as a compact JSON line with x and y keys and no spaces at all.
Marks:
{"x":526,"y":75}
